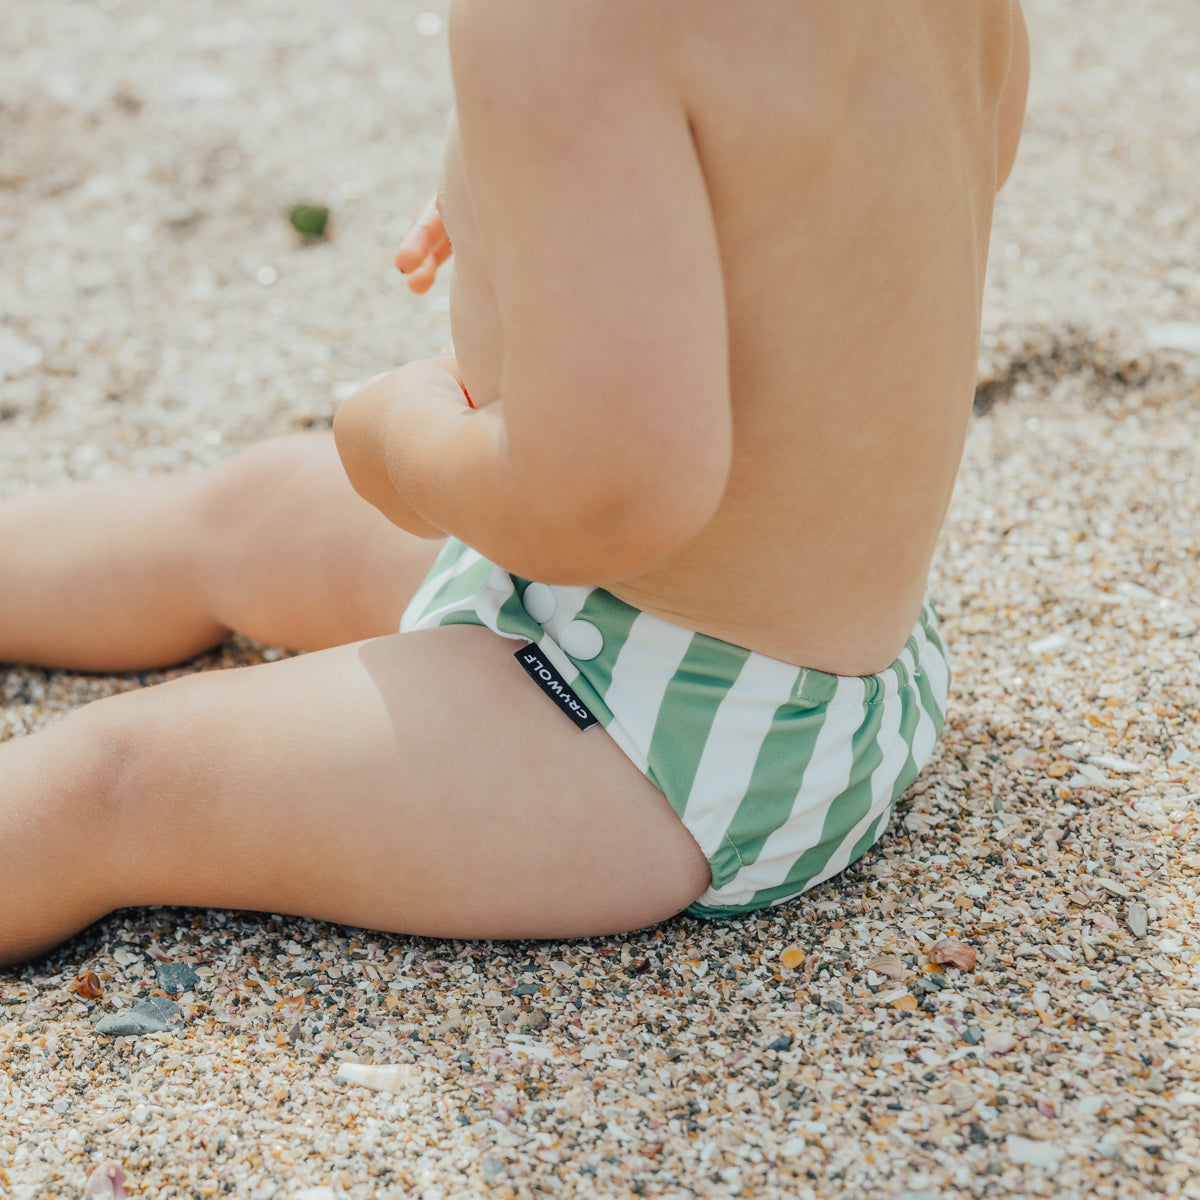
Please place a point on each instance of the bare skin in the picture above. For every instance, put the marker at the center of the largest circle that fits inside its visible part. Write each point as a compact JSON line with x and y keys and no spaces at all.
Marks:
{"x":717,"y":289}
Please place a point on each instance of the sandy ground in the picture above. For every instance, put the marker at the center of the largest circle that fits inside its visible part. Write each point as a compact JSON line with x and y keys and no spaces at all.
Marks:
{"x":156,"y":310}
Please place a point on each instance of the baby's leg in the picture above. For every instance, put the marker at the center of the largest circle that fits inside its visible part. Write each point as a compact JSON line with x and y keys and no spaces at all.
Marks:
{"x":418,"y":783}
{"x":148,"y":571}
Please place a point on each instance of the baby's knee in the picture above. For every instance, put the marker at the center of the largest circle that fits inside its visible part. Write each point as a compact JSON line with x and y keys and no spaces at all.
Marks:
{"x":112,"y":765}
{"x":90,"y":756}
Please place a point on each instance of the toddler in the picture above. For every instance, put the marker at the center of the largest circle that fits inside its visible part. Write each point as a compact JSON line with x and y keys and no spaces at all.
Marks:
{"x":619,"y":608}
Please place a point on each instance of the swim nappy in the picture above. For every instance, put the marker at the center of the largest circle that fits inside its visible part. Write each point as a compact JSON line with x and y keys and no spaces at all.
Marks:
{"x":783,"y":775}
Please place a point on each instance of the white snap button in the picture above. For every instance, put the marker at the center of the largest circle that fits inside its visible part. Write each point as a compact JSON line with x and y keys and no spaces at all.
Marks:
{"x":581,"y":639}
{"x":539,"y":602}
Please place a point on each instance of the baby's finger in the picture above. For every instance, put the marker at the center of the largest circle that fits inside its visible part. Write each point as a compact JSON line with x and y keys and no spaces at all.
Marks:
{"x":442,"y":250}
{"x":424,"y":236}
{"x":420,"y":280}
{"x":414,"y":250}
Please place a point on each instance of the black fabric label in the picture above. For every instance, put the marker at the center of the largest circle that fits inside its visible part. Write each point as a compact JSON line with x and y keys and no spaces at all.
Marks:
{"x":553,"y":684}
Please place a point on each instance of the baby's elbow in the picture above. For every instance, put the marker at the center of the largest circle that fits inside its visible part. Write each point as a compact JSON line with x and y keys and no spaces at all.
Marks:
{"x":635,"y":531}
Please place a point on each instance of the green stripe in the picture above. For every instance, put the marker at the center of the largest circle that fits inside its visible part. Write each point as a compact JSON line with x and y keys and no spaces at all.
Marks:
{"x":921,"y":696}
{"x":910,"y":715}
{"x":777,"y":778}
{"x":916,"y":696}
{"x":843,"y":814}
{"x":933,"y":706}
{"x":614,"y":618}
{"x":512,"y":617}
{"x":460,"y":590}
{"x":686,"y":715}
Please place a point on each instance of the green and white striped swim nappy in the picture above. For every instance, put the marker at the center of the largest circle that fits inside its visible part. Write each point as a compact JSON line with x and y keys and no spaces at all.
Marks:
{"x":783,"y":775}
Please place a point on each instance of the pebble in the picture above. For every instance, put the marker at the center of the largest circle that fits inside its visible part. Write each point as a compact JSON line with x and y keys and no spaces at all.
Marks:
{"x":177,"y":978}
{"x":156,"y":1015}
{"x":1176,"y":335}
{"x":1032,"y":1153}
{"x":1138,"y":919}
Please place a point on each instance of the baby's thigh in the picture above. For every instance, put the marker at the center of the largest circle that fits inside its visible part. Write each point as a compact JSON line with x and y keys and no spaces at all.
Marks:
{"x":418,"y":783}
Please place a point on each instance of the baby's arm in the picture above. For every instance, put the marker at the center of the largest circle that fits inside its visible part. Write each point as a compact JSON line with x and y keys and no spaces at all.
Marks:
{"x":610,"y":442}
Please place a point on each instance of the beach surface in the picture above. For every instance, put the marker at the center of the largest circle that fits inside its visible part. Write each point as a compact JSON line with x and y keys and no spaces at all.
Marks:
{"x":1002,"y":999}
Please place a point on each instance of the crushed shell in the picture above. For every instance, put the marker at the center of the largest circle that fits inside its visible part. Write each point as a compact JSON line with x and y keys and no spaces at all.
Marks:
{"x":157,"y":311}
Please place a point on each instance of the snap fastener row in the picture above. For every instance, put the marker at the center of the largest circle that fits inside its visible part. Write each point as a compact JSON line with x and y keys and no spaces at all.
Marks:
{"x":580,"y":639}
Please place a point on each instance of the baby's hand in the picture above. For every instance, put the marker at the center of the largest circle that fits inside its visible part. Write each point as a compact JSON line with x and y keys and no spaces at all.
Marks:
{"x":424,"y":248}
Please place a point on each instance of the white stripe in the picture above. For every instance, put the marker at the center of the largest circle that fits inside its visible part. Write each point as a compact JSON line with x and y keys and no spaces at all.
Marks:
{"x":641,"y":674}
{"x":469,"y":603}
{"x":414,"y":616}
{"x":557,"y":657}
{"x":828,"y":775}
{"x":491,"y":596}
{"x":925,"y":735}
{"x":936,"y":666}
{"x":727,"y":762}
{"x":931,"y":663}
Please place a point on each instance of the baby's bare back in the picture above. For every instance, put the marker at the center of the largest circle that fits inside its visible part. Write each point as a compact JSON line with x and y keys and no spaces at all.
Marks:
{"x":851,"y":154}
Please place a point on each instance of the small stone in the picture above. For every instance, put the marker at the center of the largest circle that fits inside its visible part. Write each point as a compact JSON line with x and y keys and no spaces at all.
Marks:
{"x":1138,"y":919}
{"x":973,"y":1035}
{"x":1044,"y":645}
{"x":781,"y":1043}
{"x":1032,"y":1153}
{"x":1176,"y":335}
{"x":156,"y":1015}
{"x":311,"y":220}
{"x":537,"y":1019}
{"x":177,"y":978}
{"x":493,"y":1168}
{"x":1110,"y":762}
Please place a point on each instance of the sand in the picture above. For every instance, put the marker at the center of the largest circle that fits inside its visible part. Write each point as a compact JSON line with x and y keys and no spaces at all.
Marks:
{"x":157,"y":310}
